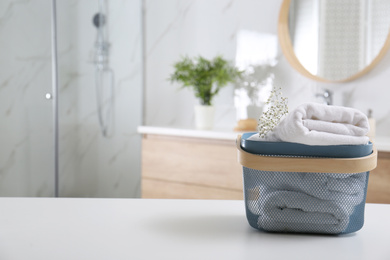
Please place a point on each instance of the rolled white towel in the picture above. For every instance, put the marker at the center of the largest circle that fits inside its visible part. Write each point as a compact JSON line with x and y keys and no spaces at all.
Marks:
{"x":348,"y":189}
{"x":318,"y":124}
{"x":290,"y":211}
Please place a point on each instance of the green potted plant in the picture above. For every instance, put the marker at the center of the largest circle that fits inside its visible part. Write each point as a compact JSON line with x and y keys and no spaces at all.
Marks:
{"x":206,"y":78}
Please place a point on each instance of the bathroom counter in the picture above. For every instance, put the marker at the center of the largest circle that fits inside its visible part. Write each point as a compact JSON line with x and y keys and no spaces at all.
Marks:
{"x":180,"y":163}
{"x":70,"y":228}
{"x":382,"y":143}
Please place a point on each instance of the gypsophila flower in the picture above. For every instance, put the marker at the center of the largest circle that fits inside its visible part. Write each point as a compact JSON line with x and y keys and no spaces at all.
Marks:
{"x":277,"y":108}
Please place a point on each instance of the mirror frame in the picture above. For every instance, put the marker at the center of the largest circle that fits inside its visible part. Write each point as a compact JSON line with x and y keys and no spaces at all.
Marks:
{"x":288,"y":50}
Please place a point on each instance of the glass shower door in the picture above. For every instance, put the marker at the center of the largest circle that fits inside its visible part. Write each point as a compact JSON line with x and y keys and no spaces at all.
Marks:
{"x":100,"y":97}
{"x":26,"y":132}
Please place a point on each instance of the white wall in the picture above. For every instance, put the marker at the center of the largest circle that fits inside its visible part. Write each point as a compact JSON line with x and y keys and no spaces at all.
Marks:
{"x":209,"y":28}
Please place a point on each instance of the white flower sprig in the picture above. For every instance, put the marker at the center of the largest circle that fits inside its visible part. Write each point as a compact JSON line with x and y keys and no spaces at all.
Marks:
{"x":277,"y":108}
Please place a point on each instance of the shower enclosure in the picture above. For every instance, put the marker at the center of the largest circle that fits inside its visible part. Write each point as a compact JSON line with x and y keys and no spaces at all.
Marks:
{"x":77,"y":127}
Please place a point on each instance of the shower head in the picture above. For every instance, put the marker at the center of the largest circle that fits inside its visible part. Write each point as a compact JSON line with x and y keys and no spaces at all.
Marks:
{"x":99,"y":20}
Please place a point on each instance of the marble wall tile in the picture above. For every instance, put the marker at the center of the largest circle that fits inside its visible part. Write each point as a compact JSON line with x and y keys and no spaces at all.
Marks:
{"x":209,"y":28}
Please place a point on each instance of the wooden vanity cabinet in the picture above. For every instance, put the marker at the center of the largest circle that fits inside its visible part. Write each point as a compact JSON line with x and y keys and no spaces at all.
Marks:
{"x":378,"y":190}
{"x":201,"y":168}
{"x":190,"y":168}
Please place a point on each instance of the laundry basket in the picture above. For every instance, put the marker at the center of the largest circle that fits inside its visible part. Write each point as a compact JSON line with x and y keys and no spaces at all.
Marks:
{"x":290,"y":187}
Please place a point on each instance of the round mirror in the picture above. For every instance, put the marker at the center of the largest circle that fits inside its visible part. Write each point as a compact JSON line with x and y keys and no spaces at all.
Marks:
{"x":334,"y":40}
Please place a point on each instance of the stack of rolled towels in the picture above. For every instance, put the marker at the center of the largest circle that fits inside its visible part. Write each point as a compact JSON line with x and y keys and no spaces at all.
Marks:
{"x":312,"y":202}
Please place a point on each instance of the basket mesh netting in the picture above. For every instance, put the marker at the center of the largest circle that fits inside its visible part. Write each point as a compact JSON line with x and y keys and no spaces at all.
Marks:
{"x":327,"y":203}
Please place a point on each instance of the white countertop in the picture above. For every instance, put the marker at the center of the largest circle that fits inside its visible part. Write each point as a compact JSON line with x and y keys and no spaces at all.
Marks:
{"x":382,"y":143}
{"x":65,"y":228}
{"x":218,"y":133}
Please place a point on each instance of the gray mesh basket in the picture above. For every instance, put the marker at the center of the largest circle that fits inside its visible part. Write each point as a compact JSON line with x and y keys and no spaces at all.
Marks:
{"x":289,"y":191}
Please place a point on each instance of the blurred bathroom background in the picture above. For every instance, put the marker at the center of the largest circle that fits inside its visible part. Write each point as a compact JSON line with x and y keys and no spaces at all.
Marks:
{"x":96,"y":151}
{"x":90,"y":164}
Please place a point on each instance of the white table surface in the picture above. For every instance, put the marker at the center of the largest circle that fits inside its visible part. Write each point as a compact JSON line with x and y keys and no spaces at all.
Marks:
{"x":49,"y":228}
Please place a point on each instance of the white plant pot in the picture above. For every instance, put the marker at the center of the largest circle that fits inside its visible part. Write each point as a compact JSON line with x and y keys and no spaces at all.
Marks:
{"x":204,"y":117}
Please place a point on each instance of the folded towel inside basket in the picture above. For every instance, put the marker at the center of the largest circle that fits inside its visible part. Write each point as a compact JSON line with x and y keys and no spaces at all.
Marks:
{"x":287,"y":211}
{"x":348,"y":189}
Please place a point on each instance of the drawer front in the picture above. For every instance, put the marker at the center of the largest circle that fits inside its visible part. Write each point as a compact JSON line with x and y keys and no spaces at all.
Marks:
{"x":378,"y":190}
{"x":200,"y":163}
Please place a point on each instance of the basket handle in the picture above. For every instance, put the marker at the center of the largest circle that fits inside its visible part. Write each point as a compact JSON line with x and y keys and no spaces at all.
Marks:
{"x":300,"y":164}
